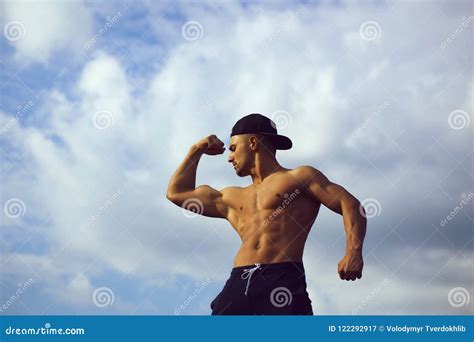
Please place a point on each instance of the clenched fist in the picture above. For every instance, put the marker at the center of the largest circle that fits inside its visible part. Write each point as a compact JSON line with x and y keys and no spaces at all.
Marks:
{"x":350,"y":267}
{"x":210,"y":145}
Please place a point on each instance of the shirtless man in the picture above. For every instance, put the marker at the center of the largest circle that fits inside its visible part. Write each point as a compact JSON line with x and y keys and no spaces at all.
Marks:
{"x":272,"y":216}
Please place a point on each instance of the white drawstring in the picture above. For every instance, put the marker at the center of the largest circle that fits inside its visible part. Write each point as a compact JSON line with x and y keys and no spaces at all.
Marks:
{"x":248,"y":274}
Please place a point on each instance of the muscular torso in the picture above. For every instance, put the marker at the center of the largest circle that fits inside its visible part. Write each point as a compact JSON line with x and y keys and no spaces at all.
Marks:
{"x":273,"y":219}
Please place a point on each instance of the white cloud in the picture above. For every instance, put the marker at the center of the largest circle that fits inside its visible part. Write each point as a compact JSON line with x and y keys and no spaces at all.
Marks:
{"x":114,"y":179}
{"x":48,"y":27}
{"x":415,"y":289}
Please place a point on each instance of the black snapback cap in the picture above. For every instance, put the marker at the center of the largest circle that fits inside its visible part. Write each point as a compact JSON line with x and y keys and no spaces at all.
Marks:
{"x":259,"y":124}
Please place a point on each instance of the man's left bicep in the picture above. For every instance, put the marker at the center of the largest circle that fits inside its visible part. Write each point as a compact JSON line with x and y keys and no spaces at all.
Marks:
{"x":330,"y":194}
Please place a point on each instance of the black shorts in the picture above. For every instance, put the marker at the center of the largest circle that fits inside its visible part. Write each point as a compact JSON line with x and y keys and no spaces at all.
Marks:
{"x":264,"y":289}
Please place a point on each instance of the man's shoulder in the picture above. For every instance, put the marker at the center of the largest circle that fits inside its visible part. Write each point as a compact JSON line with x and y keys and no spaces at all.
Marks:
{"x":231,"y":189}
{"x":307,"y":174}
{"x":304,"y":171}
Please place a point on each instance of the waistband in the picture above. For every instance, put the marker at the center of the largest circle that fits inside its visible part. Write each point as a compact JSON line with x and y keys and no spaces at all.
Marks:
{"x":273,"y":268}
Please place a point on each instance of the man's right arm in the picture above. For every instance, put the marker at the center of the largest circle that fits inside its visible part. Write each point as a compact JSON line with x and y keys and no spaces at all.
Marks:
{"x":182,"y":190}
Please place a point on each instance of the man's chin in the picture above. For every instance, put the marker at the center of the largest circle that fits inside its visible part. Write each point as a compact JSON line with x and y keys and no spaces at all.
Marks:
{"x":239,"y":173}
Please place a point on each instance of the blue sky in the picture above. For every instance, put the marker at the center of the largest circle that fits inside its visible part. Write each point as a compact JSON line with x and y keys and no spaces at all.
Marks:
{"x":101,"y":100}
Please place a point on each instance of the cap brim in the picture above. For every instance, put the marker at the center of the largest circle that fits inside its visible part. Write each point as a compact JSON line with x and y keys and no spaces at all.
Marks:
{"x":279,"y":141}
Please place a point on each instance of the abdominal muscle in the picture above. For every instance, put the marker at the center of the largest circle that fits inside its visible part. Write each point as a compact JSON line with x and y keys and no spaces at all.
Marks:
{"x":265,"y":241}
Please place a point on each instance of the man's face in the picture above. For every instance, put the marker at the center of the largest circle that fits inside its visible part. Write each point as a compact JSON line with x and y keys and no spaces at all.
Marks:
{"x":240,"y":154}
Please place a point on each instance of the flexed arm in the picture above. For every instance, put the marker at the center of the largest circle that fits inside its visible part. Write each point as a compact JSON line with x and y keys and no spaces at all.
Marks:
{"x":182,"y":185}
{"x":339,"y":200}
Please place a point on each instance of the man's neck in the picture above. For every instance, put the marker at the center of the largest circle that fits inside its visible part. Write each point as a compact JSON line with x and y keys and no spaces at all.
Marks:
{"x":264,"y":167}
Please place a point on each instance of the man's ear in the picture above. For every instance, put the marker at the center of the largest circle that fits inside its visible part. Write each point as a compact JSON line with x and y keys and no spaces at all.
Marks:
{"x":254,"y":142}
